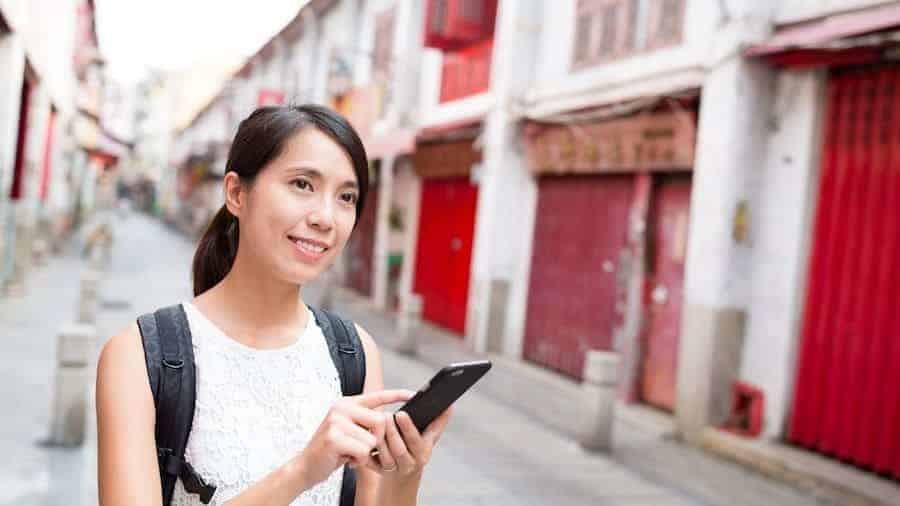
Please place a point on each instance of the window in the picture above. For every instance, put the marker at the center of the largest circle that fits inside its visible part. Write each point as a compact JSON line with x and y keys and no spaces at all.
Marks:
{"x":602,"y":30}
{"x":384,"y":42}
{"x":665,"y":19}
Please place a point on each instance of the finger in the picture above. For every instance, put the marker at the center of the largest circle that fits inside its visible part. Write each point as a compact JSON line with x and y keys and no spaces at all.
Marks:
{"x":411,"y":436}
{"x":404,"y":461}
{"x":385,"y":458}
{"x":377,"y":399}
{"x":365,"y":437}
{"x":434,"y":431}
{"x":367,"y":418}
{"x":356,"y":453}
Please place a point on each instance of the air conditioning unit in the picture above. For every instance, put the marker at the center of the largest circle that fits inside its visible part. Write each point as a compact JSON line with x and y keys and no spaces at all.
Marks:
{"x":451,"y":24}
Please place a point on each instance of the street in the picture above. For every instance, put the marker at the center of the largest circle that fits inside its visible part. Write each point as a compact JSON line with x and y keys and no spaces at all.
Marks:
{"x":490,"y":453}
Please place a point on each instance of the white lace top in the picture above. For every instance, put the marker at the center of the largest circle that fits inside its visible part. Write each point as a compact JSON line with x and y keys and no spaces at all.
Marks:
{"x":256,"y":409}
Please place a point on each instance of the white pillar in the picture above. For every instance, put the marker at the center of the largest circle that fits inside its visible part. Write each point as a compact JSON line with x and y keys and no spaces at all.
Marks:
{"x":731,"y":142}
{"x":12,"y":58}
{"x":383,"y":232}
{"x":787,"y":197}
{"x":507,"y":191}
{"x":74,"y":348}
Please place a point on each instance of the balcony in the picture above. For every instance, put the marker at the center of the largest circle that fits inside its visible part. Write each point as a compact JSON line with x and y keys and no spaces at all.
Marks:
{"x":466,"y":72}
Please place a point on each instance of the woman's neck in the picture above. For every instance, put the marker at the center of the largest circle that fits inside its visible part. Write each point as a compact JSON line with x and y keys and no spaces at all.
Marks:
{"x":254,"y":307}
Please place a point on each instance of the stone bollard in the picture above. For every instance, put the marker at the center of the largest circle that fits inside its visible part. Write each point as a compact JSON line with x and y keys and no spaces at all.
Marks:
{"x":87,"y":301}
{"x":598,"y":400}
{"x":74,"y":347}
{"x":408,"y":324}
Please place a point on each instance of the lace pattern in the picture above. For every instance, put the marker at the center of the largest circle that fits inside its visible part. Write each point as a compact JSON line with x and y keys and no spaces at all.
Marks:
{"x":256,"y":409}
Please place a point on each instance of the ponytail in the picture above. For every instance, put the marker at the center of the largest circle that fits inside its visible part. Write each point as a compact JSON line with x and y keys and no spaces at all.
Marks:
{"x":216,"y":251}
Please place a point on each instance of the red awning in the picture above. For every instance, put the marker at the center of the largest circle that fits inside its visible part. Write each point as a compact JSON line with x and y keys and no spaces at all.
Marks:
{"x":812,"y":35}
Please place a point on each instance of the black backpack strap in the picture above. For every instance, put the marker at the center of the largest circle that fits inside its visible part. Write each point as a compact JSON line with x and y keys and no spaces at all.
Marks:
{"x":166,"y":337}
{"x":350,"y":361}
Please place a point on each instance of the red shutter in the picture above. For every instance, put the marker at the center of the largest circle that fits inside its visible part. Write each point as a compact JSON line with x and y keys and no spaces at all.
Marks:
{"x":845,"y":399}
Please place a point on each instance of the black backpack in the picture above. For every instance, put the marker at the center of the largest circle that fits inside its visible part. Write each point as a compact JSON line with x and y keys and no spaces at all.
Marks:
{"x":170,"y":365}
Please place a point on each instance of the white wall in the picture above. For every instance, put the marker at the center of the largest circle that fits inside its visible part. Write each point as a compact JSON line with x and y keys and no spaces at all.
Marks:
{"x":782,"y":221}
{"x":47,"y":29}
{"x":556,"y":81}
{"x":12,"y":59}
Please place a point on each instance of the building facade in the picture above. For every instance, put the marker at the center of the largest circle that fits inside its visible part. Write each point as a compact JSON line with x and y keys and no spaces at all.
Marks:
{"x":54,"y":145}
{"x":704,"y":188}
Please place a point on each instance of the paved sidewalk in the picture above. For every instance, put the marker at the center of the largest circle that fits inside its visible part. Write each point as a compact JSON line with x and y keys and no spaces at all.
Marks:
{"x":491,"y":454}
{"x":659,"y":459}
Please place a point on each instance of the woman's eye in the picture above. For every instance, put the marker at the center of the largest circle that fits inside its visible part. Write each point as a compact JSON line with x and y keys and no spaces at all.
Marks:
{"x":349,"y":198}
{"x":302,"y":184}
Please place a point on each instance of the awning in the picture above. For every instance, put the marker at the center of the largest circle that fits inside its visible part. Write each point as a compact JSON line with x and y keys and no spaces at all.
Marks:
{"x":463,"y":128}
{"x":812,"y":38}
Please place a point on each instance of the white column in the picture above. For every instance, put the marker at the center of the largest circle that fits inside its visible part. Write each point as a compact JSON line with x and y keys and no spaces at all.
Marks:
{"x":731,"y":141}
{"x":786,"y":203}
{"x":382,"y":232}
{"x":507,"y":191}
{"x":12,"y":58}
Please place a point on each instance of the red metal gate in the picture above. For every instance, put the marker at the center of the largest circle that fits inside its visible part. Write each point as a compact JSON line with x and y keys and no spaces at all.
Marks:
{"x":579,"y":235}
{"x":444,"y":251}
{"x":846,"y":401}
{"x":361,"y":247}
{"x":667,"y":248}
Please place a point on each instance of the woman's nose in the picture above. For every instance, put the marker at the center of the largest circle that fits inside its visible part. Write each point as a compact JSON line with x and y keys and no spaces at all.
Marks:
{"x":322,"y":217}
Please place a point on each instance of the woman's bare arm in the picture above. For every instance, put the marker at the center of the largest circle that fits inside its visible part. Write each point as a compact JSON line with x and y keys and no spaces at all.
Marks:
{"x":127,"y":469}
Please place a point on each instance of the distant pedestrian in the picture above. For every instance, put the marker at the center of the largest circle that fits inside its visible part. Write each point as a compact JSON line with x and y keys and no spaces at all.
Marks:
{"x":269,"y":423}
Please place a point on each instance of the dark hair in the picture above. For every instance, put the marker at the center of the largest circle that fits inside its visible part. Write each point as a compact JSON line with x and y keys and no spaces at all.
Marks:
{"x":260,"y":138}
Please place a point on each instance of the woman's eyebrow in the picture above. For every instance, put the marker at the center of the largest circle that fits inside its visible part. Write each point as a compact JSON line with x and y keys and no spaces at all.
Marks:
{"x":303,"y":169}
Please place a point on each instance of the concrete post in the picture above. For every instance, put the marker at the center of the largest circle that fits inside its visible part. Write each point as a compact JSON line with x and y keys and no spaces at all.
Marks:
{"x":74,"y":347}
{"x":598,"y":391}
{"x":87,"y":302}
{"x":408,"y":324}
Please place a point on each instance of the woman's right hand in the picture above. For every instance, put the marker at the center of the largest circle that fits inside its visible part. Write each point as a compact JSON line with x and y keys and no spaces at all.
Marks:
{"x":353,"y":427}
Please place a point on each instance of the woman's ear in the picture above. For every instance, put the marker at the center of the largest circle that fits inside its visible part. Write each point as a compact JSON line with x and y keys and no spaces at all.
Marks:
{"x":235,"y":194}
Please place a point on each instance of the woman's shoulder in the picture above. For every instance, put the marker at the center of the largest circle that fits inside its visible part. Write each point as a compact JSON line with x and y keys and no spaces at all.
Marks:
{"x":122,"y":352}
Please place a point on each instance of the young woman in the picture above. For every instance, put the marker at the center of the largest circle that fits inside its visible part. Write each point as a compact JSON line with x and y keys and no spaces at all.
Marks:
{"x":270,"y":426}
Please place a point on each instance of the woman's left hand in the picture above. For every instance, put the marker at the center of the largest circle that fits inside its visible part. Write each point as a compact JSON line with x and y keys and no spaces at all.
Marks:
{"x":405,"y":451}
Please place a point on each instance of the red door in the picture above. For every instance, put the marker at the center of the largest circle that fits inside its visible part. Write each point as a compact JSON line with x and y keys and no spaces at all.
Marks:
{"x":580,"y":233}
{"x":444,"y":251}
{"x":846,"y":401}
{"x":361,"y":247}
{"x":19,"y":169}
{"x":665,"y":276}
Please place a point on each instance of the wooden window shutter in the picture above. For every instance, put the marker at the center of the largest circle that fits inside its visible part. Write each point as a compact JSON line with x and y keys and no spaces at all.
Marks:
{"x":384,"y":41}
{"x":603,"y":31}
{"x":664,"y":23}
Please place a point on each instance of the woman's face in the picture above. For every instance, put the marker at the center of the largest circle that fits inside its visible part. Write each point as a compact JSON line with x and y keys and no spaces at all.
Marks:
{"x":300,"y":210}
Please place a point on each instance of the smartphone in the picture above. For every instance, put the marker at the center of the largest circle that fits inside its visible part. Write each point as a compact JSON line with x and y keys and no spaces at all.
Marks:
{"x":444,"y":388}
